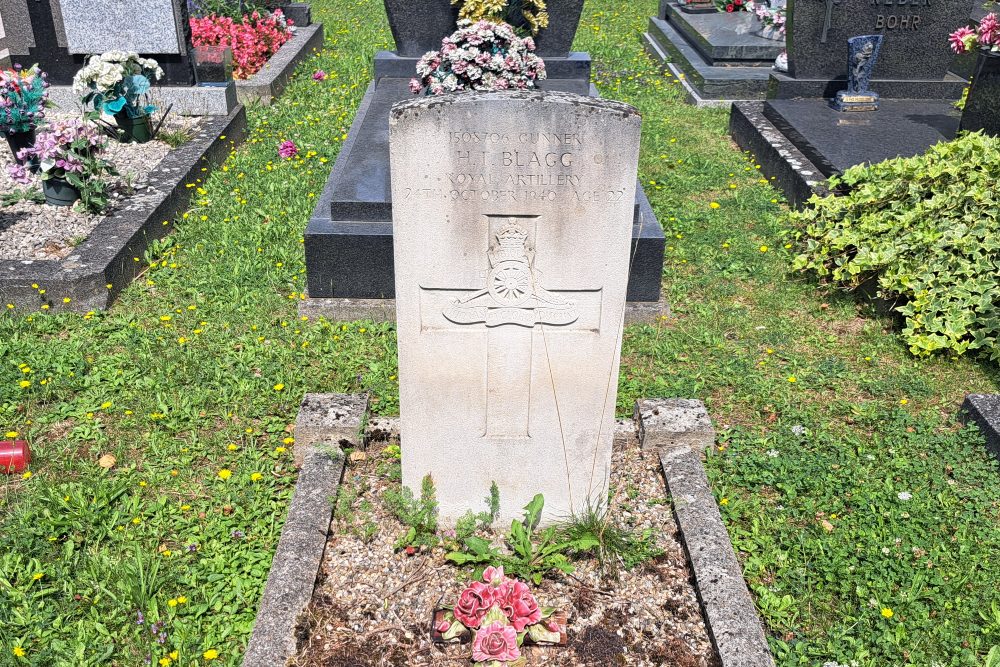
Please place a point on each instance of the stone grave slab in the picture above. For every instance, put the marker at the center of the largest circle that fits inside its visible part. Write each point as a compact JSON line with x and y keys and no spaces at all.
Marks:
{"x":835,"y":141}
{"x":148,"y":27}
{"x":510,"y":303}
{"x":983,"y":410}
{"x":722,"y":56}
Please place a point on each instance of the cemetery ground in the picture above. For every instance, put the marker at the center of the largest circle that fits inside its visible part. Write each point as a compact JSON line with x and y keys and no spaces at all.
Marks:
{"x":865,"y":516}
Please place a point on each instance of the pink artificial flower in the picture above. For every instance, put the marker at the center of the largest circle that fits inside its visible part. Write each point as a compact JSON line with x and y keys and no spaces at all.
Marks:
{"x":989,"y":31}
{"x":494,"y":576}
{"x":959,"y":43}
{"x":18,"y":174}
{"x":319,"y":75}
{"x":443,"y":627}
{"x":288,"y":149}
{"x":495,"y":642}
{"x":520,"y":606}
{"x":415,"y":86}
{"x":473,"y":604}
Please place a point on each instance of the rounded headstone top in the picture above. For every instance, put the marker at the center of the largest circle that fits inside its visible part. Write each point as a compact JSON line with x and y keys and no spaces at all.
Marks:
{"x":470,"y":98}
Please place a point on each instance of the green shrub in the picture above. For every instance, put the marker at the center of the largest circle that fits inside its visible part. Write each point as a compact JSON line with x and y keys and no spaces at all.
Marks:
{"x":927,"y":229}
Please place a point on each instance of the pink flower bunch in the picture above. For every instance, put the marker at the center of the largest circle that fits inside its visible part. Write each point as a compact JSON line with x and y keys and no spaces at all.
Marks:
{"x":319,"y":75}
{"x":769,"y":17}
{"x":986,"y":36}
{"x":61,"y":148}
{"x":287,"y":149}
{"x":500,"y":611}
{"x":480,"y":56}
{"x":253,"y":40}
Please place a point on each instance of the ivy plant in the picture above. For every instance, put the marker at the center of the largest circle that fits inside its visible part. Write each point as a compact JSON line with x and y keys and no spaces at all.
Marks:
{"x":926,"y":231}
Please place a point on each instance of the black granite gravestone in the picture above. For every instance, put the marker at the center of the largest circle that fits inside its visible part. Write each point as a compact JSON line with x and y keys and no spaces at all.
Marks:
{"x":915,"y":55}
{"x":349,"y":242}
{"x":982,"y":110}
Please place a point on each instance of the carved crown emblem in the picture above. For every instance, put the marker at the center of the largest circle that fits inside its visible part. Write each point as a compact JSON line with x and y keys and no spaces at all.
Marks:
{"x":512,"y":236}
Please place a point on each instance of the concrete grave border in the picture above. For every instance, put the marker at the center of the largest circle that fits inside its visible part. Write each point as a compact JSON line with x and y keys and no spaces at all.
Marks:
{"x":273,"y":78}
{"x":111,"y":257}
{"x":680,"y":429}
{"x":983,"y":410}
{"x":676,"y":428}
{"x":326,"y":422}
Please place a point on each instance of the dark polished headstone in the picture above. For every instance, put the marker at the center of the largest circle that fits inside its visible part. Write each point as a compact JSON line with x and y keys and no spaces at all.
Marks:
{"x":419,"y":27}
{"x":916,"y":36}
{"x":982,"y":110}
{"x":835,"y":141}
{"x":348,"y":241}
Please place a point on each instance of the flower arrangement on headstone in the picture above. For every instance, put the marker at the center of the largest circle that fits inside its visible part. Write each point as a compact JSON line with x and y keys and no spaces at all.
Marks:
{"x":68,"y":153}
{"x":772,"y":20}
{"x":863,"y":54}
{"x":117,"y":83}
{"x":982,"y":108}
{"x":483,"y":56}
{"x":499,"y":614}
{"x":532,"y":15}
{"x":23,"y":98}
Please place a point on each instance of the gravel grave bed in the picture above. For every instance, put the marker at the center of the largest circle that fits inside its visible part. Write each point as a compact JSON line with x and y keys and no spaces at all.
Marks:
{"x":372,"y":606}
{"x":39,"y":231}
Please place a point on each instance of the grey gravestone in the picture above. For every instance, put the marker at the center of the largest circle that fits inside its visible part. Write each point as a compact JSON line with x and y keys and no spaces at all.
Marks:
{"x":916,"y":36}
{"x":512,"y":229}
{"x":16,"y":35}
{"x":59,"y":34}
{"x":148,"y":27}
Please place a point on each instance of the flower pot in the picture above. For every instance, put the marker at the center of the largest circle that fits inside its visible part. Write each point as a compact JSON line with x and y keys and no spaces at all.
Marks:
{"x":982,"y":110}
{"x":419,"y":27}
{"x":58,"y":192}
{"x":19,"y":140}
{"x":138,"y":129}
{"x":14,"y":456}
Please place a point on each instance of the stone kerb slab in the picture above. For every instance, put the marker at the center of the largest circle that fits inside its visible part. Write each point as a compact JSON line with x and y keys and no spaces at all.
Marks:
{"x":510,"y":298}
{"x":984,"y":411}
{"x":273,"y":78}
{"x":334,"y":420}
{"x":681,"y":430}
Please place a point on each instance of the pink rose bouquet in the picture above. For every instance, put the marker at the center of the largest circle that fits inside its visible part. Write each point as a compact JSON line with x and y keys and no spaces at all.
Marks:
{"x":986,"y":36}
{"x":480,"y":56}
{"x":501,"y":613}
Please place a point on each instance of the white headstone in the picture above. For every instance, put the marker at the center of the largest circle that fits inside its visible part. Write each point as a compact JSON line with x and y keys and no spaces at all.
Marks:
{"x":512,"y":226}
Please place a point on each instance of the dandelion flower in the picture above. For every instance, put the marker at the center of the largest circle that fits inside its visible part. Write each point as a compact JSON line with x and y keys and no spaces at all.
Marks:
{"x":18,"y":651}
{"x":715,"y":205}
{"x":225,"y":474}
{"x":886,"y":612}
{"x":210,"y":654}
{"x":256,"y":477}
{"x":279,"y":387}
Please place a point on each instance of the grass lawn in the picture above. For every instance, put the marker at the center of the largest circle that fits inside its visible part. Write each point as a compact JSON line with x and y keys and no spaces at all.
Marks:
{"x":868,"y":520}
